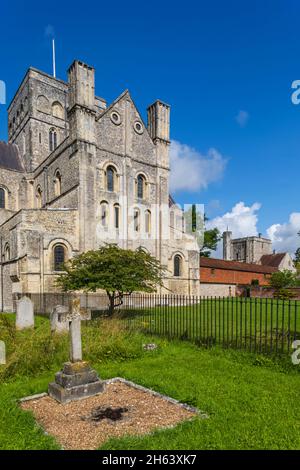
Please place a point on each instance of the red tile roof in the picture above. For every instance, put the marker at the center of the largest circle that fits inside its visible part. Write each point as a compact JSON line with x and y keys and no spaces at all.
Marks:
{"x":272,"y":260}
{"x":235,"y":266}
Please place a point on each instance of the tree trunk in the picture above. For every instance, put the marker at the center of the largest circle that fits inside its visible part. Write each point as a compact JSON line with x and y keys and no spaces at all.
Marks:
{"x":111,"y":305}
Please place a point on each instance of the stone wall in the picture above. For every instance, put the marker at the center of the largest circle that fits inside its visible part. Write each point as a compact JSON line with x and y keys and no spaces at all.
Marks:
{"x":217,"y":290}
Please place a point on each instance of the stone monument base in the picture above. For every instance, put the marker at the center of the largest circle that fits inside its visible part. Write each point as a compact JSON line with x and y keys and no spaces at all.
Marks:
{"x":75,"y":381}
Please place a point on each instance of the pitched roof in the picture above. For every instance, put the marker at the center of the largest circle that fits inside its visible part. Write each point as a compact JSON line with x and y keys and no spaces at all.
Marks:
{"x":272,"y":260}
{"x":171,"y":201}
{"x":235,"y":265}
{"x":10,"y":158}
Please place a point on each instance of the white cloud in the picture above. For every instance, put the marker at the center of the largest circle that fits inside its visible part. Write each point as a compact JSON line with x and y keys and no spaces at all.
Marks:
{"x":241,"y":221}
{"x":193,"y":171}
{"x":242,"y":118}
{"x":49,"y":31}
{"x":284,"y":236}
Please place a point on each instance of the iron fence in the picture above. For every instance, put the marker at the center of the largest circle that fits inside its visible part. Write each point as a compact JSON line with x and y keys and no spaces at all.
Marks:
{"x":255,"y":324}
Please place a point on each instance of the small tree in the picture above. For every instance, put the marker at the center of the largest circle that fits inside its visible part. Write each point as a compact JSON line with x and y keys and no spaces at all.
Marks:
{"x":281,"y":281}
{"x":207,"y":239}
{"x":117,"y":271}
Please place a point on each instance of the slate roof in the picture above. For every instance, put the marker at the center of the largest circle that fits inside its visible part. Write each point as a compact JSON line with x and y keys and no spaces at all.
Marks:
{"x":10,"y":158}
{"x":235,"y":266}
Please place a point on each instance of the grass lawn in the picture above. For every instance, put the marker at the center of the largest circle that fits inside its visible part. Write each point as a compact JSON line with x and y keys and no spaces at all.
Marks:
{"x":253,"y":324}
{"x":252,"y":401}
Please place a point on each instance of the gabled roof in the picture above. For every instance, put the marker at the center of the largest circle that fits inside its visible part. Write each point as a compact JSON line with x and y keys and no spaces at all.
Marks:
{"x":171,"y":201}
{"x":215,"y":263}
{"x":10,"y":158}
{"x":272,"y":260}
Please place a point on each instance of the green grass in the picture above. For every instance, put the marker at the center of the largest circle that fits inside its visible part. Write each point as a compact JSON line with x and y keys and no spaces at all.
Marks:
{"x":252,"y":400}
{"x":264,"y":325}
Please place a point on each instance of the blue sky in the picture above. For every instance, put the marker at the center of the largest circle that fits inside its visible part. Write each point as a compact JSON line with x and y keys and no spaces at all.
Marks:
{"x":226,"y":68}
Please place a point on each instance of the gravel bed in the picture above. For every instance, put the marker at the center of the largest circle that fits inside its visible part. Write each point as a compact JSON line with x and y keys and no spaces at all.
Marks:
{"x":68,"y":423}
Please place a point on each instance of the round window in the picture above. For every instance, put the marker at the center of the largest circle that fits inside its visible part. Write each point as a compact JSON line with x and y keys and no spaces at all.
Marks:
{"x":115,"y":117}
{"x":138,"y":127}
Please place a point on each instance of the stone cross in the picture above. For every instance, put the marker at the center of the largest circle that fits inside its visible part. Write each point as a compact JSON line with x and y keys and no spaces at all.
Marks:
{"x":74,"y":317}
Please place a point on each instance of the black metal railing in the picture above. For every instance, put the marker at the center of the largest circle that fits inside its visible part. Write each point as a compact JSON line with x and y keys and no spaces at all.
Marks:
{"x":255,"y":324}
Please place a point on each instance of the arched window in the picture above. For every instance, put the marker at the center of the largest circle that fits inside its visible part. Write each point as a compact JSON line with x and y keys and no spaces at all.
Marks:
{"x":6,"y":252}
{"x":117,"y":216}
{"x":136,"y":220}
{"x":57,"y":110}
{"x":39,"y":198}
{"x":111,"y":176}
{"x":57,"y":183}
{"x":141,"y":187}
{"x":52,"y":140}
{"x":104,"y":214}
{"x":2,"y":198}
{"x":177,"y":265}
{"x":147,"y":221}
{"x":59,"y":257}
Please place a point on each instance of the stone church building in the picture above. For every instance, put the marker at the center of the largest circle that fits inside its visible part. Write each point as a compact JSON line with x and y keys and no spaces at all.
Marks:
{"x":77,"y":173}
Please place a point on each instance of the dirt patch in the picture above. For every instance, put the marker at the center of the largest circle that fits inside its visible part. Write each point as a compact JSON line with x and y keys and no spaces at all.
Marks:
{"x":142,"y":413}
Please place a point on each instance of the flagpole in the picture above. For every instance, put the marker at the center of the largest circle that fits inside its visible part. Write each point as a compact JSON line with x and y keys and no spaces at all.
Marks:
{"x":53,"y":56}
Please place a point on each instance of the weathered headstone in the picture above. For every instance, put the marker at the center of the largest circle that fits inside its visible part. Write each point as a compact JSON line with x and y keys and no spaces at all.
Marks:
{"x":58,"y":321}
{"x":2,"y":353}
{"x":25,"y":313}
{"x":76,"y":380}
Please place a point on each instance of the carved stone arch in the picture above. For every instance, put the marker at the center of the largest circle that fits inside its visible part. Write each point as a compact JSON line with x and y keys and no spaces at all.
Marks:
{"x":4,"y":197}
{"x":58,"y":110}
{"x":65,"y":252}
{"x":178,"y":267}
{"x":6,"y":252}
{"x":57,"y":182}
{"x":111,"y":176}
{"x":42,"y":104}
{"x":141,"y":183}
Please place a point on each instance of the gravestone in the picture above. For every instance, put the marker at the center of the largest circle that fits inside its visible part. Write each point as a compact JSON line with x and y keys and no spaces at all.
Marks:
{"x":25,"y":314}
{"x":2,"y":353}
{"x":58,"y":321}
{"x":77,"y":379}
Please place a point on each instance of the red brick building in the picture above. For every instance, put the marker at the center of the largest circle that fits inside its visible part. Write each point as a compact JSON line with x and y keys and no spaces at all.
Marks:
{"x":221,"y":277}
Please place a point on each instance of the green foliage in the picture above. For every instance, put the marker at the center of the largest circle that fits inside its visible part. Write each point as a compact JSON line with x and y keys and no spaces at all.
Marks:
{"x":255,"y":282}
{"x":113,"y":269}
{"x":283,"y":280}
{"x":284,"y":294}
{"x":211,"y":240}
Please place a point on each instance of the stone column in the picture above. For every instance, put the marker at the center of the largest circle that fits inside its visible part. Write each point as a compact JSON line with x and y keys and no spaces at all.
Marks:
{"x":75,"y":340}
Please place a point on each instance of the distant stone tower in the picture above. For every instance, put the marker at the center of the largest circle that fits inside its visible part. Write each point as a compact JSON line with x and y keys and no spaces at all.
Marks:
{"x":227,"y":245}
